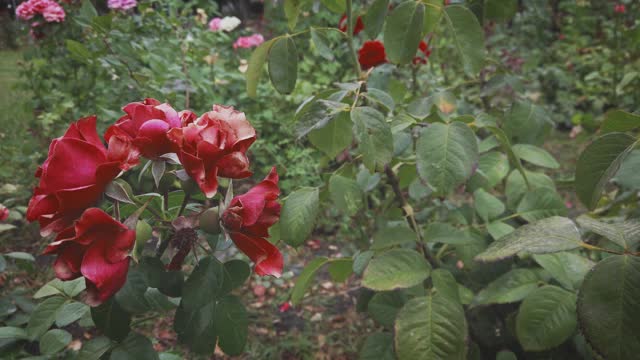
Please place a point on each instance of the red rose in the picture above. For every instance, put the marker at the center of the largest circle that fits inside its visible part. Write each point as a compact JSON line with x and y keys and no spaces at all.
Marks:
{"x":423,"y":53}
{"x":214,"y":145}
{"x":372,"y":54}
{"x":146,"y":124}
{"x":343,"y":24}
{"x":73,"y":177}
{"x":97,"y":247}
{"x":620,"y":9}
{"x":247,"y":220}
{"x":4,"y":213}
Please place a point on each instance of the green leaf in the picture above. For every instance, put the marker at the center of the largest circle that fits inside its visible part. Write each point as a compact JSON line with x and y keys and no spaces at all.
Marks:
{"x":446,"y":234}
{"x":546,"y":319}
{"x":445,"y":284}
{"x":95,"y":348}
{"x":380,"y":97}
{"x":143,"y":234}
{"x":20,"y":256}
{"x":432,"y":15}
{"x":335,"y":136}
{"x":134,"y":347}
{"x":527,"y":123}
{"x":384,"y":307}
{"x":541,"y":203}
{"x":120,"y":190}
{"x":299,"y":214}
{"x":548,"y":235}
{"x":340,"y":269}
{"x":12,"y":333}
{"x":503,"y":139}
{"x":431,"y":327}
{"x":535,"y":155}
{"x":494,"y":166}
{"x":446,"y":154}
{"x":625,"y":234}
{"x":608,"y":307}
{"x":44,"y":315}
{"x":256,"y":65}
{"x":516,"y":186}
{"x":78,"y":51}
{"x":53,"y":341}
{"x":598,"y":163}
{"x":346,"y":194}
{"x":487,"y":206}
{"x":204,"y":284}
{"x":320,"y":41}
{"x":337,"y":6}
{"x":236,"y":273}
{"x":283,"y":64}
{"x":112,"y":320}
{"x":395,"y":269}
{"x":131,"y":295}
{"x":567,"y":268}
{"x":373,"y":20}
{"x":292,"y":10}
{"x":500,"y":10}
{"x":70,"y":312}
{"x":393,"y":234}
{"x":468,"y":37}
{"x":508,"y":288}
{"x":48,"y":289}
{"x":231,"y":321}
{"x":375,"y":141}
{"x":619,"y":121}
{"x":304,"y":279}
{"x":498,"y":229}
{"x":403,"y":32}
{"x":378,"y":346}
{"x":195,"y":327}
{"x":158,"y":301}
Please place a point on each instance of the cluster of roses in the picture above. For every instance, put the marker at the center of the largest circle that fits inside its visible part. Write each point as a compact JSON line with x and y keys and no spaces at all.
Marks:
{"x":230,"y":23}
{"x":79,"y":167}
{"x":49,"y":10}
{"x":372,"y":53}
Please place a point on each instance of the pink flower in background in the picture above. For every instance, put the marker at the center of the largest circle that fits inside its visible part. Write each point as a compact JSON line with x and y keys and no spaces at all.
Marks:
{"x":49,"y":9}
{"x":122,"y":4}
{"x":25,"y":11}
{"x":620,"y":9}
{"x":246,"y":42}
{"x":214,"y":24}
{"x":53,"y":13}
{"x":4,"y":213}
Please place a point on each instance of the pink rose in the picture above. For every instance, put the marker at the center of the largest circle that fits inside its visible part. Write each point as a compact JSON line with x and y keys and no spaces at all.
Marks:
{"x":214,"y":24}
{"x":246,"y":42}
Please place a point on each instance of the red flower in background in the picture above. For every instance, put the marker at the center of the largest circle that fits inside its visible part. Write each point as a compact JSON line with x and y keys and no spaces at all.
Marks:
{"x":73,"y":178}
{"x":146,"y":125}
{"x":247,"y":220}
{"x":4,"y":213}
{"x":620,"y":9}
{"x":343,"y":24}
{"x":96,"y":247}
{"x":214,"y":145}
{"x":372,"y":54}
{"x":423,"y":53}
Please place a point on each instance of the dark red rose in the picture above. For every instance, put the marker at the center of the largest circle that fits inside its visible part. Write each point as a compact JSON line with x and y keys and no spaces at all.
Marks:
{"x":73,"y":177}
{"x":247,"y":221}
{"x":146,"y":124}
{"x":372,"y":54}
{"x":343,"y":24}
{"x":214,"y":145}
{"x":96,"y":247}
{"x":423,"y":53}
{"x":4,"y":213}
{"x":620,"y":9}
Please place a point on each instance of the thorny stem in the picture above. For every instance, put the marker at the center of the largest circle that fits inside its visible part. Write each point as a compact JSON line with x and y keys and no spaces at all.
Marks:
{"x":350,"y":28}
{"x":411,"y":219}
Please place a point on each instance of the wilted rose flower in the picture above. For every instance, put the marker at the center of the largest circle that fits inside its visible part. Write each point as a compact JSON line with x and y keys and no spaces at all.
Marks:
{"x":146,"y":124}
{"x":214,"y":24}
{"x":96,"y":247}
{"x":343,"y":24}
{"x":246,"y":42}
{"x":372,"y":54}
{"x":229,"y":23}
{"x":248,"y":219}
{"x":4,"y":213}
{"x":73,"y":178}
{"x":201,"y":16}
{"x":214,"y":145}
{"x":122,"y":4}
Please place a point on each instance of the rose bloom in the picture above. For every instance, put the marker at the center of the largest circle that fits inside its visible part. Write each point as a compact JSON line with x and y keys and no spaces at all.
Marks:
{"x":146,"y":123}
{"x":4,"y":213}
{"x":73,"y":177}
{"x":372,"y":54}
{"x":96,"y":247}
{"x":248,"y":219}
{"x":49,"y":9}
{"x":229,"y":23}
{"x":620,"y":9}
{"x":122,"y":4}
{"x":214,"y":145}
{"x":423,"y":53}
{"x":247,"y":42}
{"x":214,"y":24}
{"x":343,"y":24}
{"x":53,"y":13}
